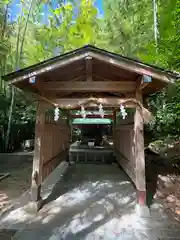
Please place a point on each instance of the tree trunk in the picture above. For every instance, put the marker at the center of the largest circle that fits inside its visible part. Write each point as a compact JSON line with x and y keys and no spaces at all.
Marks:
{"x":17,"y":62}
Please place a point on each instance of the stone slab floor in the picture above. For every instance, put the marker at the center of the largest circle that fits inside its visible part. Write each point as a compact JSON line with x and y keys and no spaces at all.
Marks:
{"x":94,"y":202}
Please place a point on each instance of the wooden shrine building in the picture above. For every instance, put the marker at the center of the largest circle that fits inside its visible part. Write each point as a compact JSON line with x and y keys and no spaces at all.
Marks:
{"x":87,"y":77}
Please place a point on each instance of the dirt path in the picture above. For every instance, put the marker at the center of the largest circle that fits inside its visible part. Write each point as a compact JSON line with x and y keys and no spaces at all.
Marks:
{"x":20,"y":168}
{"x":163,"y":183}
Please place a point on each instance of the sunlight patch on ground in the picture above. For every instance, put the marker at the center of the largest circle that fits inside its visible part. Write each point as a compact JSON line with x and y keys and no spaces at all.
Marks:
{"x":91,"y":200}
{"x":77,"y":195}
{"x":98,"y":202}
{"x":119,"y":198}
{"x":84,"y":200}
{"x":83,"y":192}
{"x":17,"y":216}
{"x":95,"y":213}
{"x":92,"y":214}
{"x":55,"y":210}
{"x":48,"y":218}
{"x":114,"y":228}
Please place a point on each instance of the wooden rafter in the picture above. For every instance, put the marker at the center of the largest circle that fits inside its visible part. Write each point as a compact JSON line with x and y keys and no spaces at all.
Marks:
{"x":46,"y":100}
{"x":104,"y":57}
{"x":83,"y":95}
{"x":102,"y":78}
{"x":107,"y":72}
{"x":94,"y":86}
{"x":90,"y":76}
{"x":133,"y":66}
{"x":143,"y":85}
{"x":45,"y":69}
{"x":118,"y":94}
{"x":80,"y":78}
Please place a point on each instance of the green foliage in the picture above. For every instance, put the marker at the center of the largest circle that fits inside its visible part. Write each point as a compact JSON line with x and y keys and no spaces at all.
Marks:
{"x":74,"y":28}
{"x":68,"y":26}
{"x":126,"y":24}
{"x":163,"y":54}
{"x":129,"y":30}
{"x":166,"y":105}
{"x":166,"y":109}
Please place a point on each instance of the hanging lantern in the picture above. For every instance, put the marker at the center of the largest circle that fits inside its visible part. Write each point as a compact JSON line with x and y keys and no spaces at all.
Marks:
{"x":56,"y":114}
{"x":101,"y":111}
{"x":123,"y":111}
{"x":83,"y":112}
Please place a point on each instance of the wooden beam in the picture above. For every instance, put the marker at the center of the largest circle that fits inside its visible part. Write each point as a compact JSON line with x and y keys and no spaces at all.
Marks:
{"x":119,"y":61}
{"x":79,"y":78}
{"x":133,"y":66}
{"x":89,"y":68}
{"x":48,"y":101}
{"x":91,"y":116}
{"x":40,"y":95}
{"x":93,"y":108}
{"x":101,"y":78}
{"x":143,"y":85}
{"x":74,"y":103}
{"x":58,"y":64}
{"x":88,"y":86}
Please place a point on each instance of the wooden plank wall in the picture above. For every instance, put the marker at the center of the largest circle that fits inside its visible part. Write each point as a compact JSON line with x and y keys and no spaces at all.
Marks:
{"x":124,"y":148}
{"x":55,"y":145}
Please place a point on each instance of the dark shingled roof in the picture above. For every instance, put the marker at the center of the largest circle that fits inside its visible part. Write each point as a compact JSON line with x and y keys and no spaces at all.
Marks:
{"x":81,"y":50}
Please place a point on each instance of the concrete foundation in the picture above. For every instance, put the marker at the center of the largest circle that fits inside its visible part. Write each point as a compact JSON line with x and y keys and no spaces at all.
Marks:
{"x":142,"y":211}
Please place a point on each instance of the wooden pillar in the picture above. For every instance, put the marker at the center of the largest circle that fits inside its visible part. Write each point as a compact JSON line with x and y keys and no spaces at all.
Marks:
{"x":38,"y":157}
{"x":69,"y":122}
{"x":114,"y":132}
{"x":139,"y":153}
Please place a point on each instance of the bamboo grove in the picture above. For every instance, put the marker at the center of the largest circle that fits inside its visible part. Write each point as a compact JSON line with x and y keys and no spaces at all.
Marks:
{"x":34,"y":30}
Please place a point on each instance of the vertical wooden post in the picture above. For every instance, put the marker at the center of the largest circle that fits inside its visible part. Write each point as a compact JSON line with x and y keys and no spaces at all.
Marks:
{"x":140,"y":157}
{"x":114,"y":132}
{"x":38,"y":157}
{"x":70,"y":127}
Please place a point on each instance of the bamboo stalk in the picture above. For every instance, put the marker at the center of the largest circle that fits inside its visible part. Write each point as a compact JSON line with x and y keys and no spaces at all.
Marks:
{"x":17,"y":62}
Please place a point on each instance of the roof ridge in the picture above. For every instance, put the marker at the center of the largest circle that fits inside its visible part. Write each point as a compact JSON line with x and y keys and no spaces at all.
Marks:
{"x":80,"y":50}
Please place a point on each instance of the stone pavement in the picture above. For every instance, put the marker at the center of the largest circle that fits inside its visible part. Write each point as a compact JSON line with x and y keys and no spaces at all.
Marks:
{"x":92,"y":202}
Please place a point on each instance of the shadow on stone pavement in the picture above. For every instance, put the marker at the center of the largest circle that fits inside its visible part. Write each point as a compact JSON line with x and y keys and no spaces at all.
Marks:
{"x":94,"y":202}
{"x":86,"y":198}
{"x":7,"y":234}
